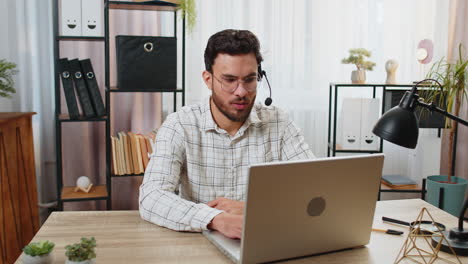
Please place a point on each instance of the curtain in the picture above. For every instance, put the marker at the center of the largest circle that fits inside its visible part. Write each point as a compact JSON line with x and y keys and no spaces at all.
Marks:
{"x":303,"y":43}
{"x":458,"y":34}
{"x":26,"y":30}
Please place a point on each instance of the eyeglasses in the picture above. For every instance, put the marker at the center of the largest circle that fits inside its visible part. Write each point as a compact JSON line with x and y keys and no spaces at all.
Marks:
{"x":230,"y":84}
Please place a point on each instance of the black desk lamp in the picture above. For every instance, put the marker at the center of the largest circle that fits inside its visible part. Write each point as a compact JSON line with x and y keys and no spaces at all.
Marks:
{"x":400,"y":126}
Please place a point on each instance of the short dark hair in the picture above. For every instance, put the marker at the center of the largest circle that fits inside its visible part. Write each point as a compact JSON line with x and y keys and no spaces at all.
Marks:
{"x":232,"y":42}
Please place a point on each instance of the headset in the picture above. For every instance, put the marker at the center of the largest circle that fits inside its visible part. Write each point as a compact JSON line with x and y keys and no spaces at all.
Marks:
{"x":262,"y":73}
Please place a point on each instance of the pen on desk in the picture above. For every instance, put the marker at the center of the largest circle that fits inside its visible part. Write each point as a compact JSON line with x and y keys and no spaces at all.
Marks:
{"x":388,"y":231}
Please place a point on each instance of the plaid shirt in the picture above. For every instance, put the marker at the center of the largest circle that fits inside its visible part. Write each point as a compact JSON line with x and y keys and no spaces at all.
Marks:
{"x":202,"y":162}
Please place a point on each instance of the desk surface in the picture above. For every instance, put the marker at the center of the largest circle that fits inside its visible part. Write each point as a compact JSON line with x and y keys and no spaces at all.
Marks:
{"x":123,"y":237}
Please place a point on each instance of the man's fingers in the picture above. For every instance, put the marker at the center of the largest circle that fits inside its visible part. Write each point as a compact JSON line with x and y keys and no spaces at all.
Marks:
{"x":214,"y":202}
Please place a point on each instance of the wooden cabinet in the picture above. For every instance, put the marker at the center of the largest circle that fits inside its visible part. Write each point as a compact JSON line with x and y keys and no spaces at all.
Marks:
{"x":19,"y":219}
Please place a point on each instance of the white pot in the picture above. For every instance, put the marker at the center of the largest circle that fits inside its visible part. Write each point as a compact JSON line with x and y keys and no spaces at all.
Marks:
{"x":44,"y":259}
{"x":89,"y":261}
{"x":358,"y":77}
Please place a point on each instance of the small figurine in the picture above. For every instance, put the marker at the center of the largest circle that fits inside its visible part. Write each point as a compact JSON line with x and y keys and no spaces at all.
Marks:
{"x":390,"y":67}
{"x":84,"y":184}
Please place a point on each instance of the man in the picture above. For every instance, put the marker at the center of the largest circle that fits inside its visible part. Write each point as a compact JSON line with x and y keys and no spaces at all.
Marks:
{"x":203,"y":152}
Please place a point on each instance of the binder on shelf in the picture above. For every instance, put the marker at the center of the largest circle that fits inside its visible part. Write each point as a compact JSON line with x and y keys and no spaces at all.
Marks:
{"x":68,"y":90}
{"x":70,"y":17}
{"x":370,"y":113}
{"x":83,"y":96}
{"x":92,"y":13}
{"x":93,"y":88}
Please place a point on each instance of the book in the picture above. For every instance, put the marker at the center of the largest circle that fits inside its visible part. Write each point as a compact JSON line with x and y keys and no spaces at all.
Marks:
{"x":93,"y":89}
{"x":122,"y":153}
{"x":134,"y":152}
{"x":68,"y":89}
{"x":139,"y":158}
{"x":129,"y":152}
{"x":398,"y":181}
{"x":144,"y":151}
{"x":148,"y":146}
{"x":114,"y":160}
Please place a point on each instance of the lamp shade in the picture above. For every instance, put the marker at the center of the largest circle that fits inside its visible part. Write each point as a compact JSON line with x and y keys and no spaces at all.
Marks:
{"x":400,"y":126}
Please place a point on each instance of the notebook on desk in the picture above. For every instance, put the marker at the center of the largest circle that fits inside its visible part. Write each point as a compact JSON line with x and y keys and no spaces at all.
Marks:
{"x":301,"y":208}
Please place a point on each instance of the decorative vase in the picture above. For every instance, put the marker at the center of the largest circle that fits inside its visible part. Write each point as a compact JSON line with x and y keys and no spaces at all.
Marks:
{"x":391,"y":67}
{"x":358,"y":77}
{"x":454,"y":193}
{"x":44,"y":259}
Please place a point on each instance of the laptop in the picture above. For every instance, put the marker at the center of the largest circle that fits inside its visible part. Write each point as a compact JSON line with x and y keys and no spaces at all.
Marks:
{"x":301,"y":208}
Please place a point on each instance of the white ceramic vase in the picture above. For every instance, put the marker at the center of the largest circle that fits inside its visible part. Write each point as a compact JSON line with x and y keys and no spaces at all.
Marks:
{"x":44,"y":259}
{"x":358,"y":77}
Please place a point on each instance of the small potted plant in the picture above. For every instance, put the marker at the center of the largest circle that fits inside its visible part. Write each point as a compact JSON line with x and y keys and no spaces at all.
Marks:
{"x":7,"y":70}
{"x":82,"y":252}
{"x":38,"y":253}
{"x":357,"y":57}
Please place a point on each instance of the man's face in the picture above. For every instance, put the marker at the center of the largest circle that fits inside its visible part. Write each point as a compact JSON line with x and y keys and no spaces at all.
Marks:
{"x":228,"y":70}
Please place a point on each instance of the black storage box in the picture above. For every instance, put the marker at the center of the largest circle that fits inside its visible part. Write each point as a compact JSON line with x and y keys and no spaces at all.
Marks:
{"x":146,"y":63}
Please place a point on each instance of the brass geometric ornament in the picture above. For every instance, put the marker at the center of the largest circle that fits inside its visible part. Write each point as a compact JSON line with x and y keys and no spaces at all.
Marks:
{"x":418,"y":247}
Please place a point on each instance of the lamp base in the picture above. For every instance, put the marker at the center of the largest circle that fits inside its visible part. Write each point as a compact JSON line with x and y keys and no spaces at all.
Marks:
{"x":458,"y":241}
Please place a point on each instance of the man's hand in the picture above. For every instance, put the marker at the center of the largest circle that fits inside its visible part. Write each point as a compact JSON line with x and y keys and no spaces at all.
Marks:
{"x":227,"y":224}
{"x":228,"y":205}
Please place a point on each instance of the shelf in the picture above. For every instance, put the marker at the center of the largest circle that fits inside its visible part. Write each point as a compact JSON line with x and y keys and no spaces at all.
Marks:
{"x":385,"y":188}
{"x":98,"y":192}
{"x":127,"y":175}
{"x":118,"y":90}
{"x":357,"y":151}
{"x":82,"y":38}
{"x":148,"y":5}
{"x":66,"y":118}
{"x":377,"y":85}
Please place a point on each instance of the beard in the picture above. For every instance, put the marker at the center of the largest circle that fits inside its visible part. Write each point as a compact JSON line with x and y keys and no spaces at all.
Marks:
{"x":235,"y":115}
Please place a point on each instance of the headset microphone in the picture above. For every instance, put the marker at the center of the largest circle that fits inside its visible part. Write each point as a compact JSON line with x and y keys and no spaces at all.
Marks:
{"x":268,"y":101}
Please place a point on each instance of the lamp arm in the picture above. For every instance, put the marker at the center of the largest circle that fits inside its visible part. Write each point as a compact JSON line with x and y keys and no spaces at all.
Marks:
{"x":433,"y":107}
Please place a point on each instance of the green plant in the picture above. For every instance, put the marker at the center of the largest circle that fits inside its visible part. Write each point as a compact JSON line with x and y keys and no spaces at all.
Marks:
{"x":7,"y":70}
{"x":189,"y":12}
{"x":357,"y":57}
{"x":81,"y":251}
{"x":39,"y":248}
{"x":453,"y":76}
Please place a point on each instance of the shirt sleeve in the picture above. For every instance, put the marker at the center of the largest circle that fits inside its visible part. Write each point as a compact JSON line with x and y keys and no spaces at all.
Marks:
{"x":158,"y":202}
{"x":293,"y":145}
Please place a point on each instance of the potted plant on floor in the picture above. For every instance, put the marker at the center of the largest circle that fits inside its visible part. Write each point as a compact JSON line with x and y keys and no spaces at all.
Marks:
{"x":38,"y":253}
{"x":7,"y":70}
{"x":453,"y":76}
{"x":81,"y":253}
{"x":357,"y":57}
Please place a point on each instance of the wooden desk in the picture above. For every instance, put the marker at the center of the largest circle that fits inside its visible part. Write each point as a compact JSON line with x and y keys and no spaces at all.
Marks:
{"x":123,"y":237}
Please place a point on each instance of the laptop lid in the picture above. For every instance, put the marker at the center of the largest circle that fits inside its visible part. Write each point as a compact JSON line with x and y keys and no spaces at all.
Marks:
{"x":300,"y":208}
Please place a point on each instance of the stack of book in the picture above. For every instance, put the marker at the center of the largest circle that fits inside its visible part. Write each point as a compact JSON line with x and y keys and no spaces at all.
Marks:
{"x":398,"y":182}
{"x":131,"y":152}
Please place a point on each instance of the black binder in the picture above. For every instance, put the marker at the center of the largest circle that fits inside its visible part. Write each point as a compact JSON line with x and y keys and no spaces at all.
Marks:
{"x":68,"y":90}
{"x":80,"y":85}
{"x":93,"y":88}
